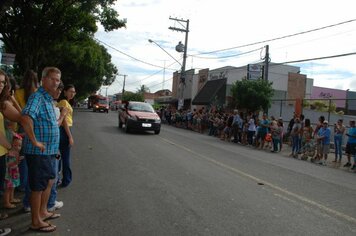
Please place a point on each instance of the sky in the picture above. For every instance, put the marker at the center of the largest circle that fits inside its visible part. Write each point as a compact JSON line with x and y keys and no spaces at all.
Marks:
{"x":231,"y":29}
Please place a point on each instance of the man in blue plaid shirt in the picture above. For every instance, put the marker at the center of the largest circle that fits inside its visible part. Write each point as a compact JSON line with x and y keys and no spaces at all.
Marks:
{"x":41,"y":146}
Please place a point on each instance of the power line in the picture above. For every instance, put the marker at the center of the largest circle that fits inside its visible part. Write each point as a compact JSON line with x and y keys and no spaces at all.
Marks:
{"x":232,"y":55}
{"x":278,"y":38}
{"x":134,"y":58}
{"x":316,"y":58}
{"x":150,"y":75}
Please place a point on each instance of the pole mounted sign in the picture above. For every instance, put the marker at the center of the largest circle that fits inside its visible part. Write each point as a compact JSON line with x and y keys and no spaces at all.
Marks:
{"x":254,"y":71}
{"x":8,"y":59}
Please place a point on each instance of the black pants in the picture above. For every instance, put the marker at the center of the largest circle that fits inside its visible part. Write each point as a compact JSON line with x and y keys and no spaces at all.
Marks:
{"x":2,"y":172}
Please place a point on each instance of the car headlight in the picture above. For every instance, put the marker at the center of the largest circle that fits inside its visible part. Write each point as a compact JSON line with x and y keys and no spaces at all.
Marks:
{"x":132,"y":118}
{"x":158,"y":120}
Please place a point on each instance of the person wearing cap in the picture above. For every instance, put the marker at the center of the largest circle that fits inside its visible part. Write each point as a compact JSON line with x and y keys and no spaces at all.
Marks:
{"x":323,"y":137}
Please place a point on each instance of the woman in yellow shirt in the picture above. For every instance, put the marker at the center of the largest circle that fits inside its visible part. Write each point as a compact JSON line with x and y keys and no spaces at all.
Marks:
{"x":66,"y":138}
{"x":29,"y":85}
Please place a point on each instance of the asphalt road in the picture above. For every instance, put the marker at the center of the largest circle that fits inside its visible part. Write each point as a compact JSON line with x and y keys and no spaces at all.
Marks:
{"x":184,"y":183}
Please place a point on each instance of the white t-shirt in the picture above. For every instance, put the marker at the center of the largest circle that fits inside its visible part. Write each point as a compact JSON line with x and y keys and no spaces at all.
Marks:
{"x":251,"y":125}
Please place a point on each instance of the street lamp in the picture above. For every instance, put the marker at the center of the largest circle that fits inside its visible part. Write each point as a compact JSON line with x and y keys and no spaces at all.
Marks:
{"x":151,"y":41}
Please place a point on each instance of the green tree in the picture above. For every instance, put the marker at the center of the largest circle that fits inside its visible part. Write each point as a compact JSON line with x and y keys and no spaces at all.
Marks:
{"x":323,"y":105}
{"x":36,"y":31}
{"x":252,"y":95}
{"x":85,"y":64}
{"x":130,"y":96}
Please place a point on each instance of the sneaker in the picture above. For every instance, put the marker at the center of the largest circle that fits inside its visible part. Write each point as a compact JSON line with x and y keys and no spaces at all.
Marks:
{"x":348,"y":164}
{"x":322,"y":162}
{"x":5,"y":231}
{"x":57,"y":205}
{"x":27,"y":209}
{"x":353,"y":167}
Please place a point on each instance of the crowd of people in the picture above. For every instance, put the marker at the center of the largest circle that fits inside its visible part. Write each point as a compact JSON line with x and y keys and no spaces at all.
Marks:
{"x":306,"y":142}
{"x":35,"y":143}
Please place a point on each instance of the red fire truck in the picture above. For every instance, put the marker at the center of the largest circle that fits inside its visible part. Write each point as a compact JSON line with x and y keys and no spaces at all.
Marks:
{"x":98,"y":103}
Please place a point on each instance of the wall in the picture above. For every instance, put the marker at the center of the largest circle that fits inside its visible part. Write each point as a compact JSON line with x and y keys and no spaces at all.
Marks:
{"x":277,"y":74}
{"x":278,"y":94}
{"x":187,"y":93}
{"x":231,"y":73}
{"x":309,"y":88}
{"x":351,"y":104}
{"x":296,"y":86}
{"x":175,"y":84}
{"x":325,"y":93}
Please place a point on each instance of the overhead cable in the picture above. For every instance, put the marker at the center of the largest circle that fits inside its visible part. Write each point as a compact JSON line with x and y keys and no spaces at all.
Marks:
{"x":282,"y":37}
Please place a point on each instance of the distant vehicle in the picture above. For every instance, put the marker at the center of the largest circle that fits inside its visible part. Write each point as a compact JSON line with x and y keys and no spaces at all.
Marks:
{"x":114,"y":106}
{"x":138,"y":116}
{"x":98,"y":103}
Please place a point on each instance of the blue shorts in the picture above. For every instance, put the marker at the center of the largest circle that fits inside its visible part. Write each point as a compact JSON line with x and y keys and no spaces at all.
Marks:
{"x":40,"y":171}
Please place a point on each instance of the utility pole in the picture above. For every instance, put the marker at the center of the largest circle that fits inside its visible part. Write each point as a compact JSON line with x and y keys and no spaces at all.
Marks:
{"x":181,"y":48}
{"x":123,"y":86}
{"x":266,"y":63}
{"x":164,"y":74}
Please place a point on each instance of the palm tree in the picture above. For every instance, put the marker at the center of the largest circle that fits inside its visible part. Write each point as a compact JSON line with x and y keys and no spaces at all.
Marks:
{"x":143,"y":89}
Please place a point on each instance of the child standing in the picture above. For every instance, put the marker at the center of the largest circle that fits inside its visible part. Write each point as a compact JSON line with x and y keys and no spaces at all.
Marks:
{"x":12,"y":176}
{"x":276,"y":131}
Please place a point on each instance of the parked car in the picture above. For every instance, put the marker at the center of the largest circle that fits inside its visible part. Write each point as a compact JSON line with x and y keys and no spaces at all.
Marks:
{"x":138,"y":116}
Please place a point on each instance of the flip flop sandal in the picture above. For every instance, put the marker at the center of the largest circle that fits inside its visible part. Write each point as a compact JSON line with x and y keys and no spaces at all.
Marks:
{"x":52,"y":216}
{"x":15,"y":200}
{"x":11,"y":206}
{"x":3,"y":216}
{"x":45,"y":229}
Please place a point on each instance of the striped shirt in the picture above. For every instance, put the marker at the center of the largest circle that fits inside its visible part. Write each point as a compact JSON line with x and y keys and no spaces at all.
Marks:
{"x":40,"y":108}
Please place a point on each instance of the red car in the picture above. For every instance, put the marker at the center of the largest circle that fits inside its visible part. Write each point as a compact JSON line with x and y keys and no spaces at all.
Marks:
{"x":138,"y":116}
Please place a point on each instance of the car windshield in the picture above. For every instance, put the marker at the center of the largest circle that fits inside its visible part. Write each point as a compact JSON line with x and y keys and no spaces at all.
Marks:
{"x":103,"y":101}
{"x":144,"y":107}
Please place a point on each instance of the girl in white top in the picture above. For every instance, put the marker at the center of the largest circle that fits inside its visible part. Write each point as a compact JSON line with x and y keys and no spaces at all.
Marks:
{"x":251,"y":130}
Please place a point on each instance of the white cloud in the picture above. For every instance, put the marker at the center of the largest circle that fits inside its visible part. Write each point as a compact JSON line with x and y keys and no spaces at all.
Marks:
{"x":225,"y":24}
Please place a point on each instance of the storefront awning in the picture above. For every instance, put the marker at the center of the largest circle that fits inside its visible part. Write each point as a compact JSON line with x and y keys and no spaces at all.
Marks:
{"x":208,"y":92}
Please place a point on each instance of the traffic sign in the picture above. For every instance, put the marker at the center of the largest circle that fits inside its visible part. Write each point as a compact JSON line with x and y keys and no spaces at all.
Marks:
{"x":8,"y":59}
